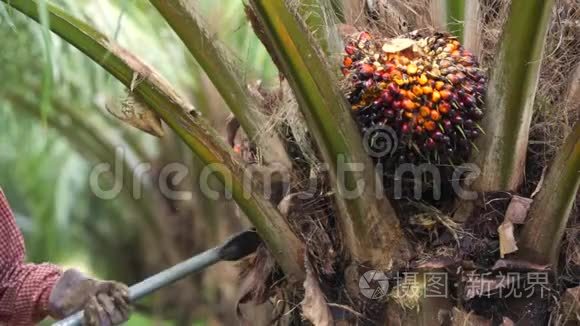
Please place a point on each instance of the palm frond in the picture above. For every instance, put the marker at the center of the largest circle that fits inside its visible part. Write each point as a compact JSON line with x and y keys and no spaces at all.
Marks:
{"x":368,"y":221}
{"x":225,"y":74}
{"x":186,"y":122}
{"x":549,"y":213}
{"x":510,"y":97}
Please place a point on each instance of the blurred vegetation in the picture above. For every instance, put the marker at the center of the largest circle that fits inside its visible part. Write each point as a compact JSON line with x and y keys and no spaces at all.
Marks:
{"x":54,"y":129}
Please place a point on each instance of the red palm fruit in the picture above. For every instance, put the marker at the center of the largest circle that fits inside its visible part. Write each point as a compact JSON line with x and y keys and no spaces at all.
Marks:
{"x":393,"y":89}
{"x":477,"y":114}
{"x":397,"y":105}
{"x":349,"y":49}
{"x":452,"y":78}
{"x":467,"y":60}
{"x":469,"y":101}
{"x":364,"y":36}
{"x":438,"y":136}
{"x":473,"y":134}
{"x":447,"y":125}
{"x":444,"y":63}
{"x":430,"y":144}
{"x":389,"y":67}
{"x":366,"y":70}
{"x":368,"y":83}
{"x":386,"y":97}
{"x":433,"y":86}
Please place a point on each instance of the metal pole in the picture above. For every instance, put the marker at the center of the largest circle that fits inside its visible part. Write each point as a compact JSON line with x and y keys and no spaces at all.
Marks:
{"x":157,"y":281}
{"x":235,"y":248}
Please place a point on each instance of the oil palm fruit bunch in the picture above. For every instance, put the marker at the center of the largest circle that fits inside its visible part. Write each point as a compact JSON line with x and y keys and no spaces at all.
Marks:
{"x":428,"y":89}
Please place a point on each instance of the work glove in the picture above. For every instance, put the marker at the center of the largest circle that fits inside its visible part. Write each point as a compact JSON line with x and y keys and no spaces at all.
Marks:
{"x":105,"y":303}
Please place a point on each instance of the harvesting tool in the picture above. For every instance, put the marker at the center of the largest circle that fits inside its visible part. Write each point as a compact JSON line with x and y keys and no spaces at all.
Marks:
{"x":236,"y":248}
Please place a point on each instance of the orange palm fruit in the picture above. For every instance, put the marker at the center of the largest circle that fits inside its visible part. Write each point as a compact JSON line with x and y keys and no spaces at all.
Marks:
{"x":444,"y":107}
{"x":409,"y":105}
{"x":347,"y":62}
{"x":445,"y":94}
{"x":435,"y":116}
{"x":417,"y":90}
{"x":430,"y":125}
{"x":436,"y":96}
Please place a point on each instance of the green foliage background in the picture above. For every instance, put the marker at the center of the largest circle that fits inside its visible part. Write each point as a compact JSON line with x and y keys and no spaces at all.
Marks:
{"x":44,"y":169}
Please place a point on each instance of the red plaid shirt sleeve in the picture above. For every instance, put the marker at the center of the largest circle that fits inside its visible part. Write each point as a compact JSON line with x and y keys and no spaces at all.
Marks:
{"x":24,"y":288}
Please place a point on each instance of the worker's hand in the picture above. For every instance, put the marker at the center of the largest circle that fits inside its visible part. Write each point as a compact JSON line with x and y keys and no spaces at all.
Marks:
{"x":105,"y":303}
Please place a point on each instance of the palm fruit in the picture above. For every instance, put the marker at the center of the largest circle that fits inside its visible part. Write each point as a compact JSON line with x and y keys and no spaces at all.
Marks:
{"x":427,"y":88}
